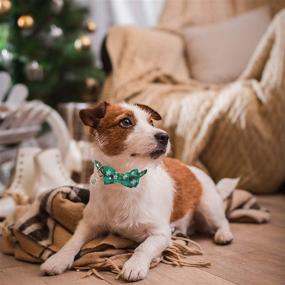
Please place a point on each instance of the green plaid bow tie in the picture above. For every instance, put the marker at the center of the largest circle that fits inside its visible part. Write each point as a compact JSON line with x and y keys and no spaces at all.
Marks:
{"x":129,"y":179}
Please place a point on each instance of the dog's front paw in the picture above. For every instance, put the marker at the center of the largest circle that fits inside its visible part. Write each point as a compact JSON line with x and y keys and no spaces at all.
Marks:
{"x":136,"y":268}
{"x":56,"y":264}
{"x":223,"y":236}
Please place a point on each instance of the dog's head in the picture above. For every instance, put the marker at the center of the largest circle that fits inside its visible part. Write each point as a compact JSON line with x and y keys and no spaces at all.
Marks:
{"x":126,"y":130}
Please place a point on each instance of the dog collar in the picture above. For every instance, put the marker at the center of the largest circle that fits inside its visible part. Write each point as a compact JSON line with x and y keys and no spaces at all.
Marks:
{"x":129,"y":179}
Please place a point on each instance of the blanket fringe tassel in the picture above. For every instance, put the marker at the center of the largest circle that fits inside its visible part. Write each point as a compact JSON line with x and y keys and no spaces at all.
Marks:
{"x":174,"y":255}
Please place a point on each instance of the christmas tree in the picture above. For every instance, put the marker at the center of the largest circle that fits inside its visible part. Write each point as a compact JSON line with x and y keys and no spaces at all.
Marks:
{"x":45,"y":45}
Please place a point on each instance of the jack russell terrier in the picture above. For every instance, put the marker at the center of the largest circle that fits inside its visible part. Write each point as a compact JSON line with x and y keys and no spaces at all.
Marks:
{"x":167,"y":194}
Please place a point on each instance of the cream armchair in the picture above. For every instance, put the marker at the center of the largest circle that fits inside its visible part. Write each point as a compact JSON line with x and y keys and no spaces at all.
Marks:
{"x":235,"y":129}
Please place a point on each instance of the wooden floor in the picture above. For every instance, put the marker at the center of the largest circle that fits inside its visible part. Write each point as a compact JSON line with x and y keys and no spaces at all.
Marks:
{"x":257,"y":256}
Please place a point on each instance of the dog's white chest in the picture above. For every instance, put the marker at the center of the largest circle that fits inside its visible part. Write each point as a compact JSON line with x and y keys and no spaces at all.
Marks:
{"x":133,"y":212}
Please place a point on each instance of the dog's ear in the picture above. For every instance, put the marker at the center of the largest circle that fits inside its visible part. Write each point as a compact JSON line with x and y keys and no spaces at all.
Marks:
{"x":92,"y":116}
{"x":153,"y":113}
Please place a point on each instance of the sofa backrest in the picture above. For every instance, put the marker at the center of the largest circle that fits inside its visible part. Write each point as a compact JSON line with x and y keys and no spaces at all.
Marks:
{"x":177,"y":14}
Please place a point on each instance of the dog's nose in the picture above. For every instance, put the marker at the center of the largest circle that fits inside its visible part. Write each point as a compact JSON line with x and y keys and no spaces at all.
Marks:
{"x":162,"y":138}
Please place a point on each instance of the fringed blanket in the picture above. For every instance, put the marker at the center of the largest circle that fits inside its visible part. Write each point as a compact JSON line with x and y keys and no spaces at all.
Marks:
{"x":235,"y":129}
{"x":41,"y":229}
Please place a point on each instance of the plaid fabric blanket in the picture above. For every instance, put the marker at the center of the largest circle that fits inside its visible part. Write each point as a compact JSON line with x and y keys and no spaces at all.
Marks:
{"x":39,"y":230}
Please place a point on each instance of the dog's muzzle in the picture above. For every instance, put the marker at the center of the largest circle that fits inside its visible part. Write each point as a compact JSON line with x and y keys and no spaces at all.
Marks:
{"x":162,"y":139}
{"x":162,"y":142}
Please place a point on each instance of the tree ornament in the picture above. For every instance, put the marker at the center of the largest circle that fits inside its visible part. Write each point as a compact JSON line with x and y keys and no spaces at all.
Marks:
{"x":91,"y":26}
{"x":5,"y":6}
{"x":6,"y":57}
{"x":91,"y":84}
{"x":34,"y":71}
{"x":83,"y":42}
{"x":25,"y":22}
{"x":55,"y":32}
{"x":57,"y":5}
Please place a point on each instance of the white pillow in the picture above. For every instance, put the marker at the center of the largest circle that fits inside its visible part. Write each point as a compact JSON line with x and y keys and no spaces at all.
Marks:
{"x":218,"y":53}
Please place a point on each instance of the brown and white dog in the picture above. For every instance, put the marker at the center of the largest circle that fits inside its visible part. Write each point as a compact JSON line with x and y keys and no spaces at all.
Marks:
{"x":166,"y":197}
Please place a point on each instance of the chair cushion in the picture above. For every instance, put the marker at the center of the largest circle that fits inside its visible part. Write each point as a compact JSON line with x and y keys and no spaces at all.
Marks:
{"x":218,"y":53}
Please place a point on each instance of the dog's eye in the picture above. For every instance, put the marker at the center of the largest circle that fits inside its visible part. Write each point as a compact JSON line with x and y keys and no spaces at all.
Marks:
{"x":126,"y":123}
{"x":151,"y":122}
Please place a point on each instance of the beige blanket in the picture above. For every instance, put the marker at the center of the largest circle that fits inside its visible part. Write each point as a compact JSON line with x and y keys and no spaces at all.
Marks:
{"x":38,"y":230}
{"x":235,"y":130}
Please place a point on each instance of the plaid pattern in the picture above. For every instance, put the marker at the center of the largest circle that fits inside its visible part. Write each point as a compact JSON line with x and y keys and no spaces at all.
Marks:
{"x":50,"y":221}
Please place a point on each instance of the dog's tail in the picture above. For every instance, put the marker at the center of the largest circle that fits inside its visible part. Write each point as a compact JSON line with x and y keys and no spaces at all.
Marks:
{"x":226,"y":186}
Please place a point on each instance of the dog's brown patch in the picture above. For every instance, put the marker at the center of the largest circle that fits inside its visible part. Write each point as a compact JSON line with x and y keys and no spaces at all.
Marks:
{"x":91,"y":116}
{"x":109,"y":131}
{"x":188,"y":188}
{"x":153,"y":114}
